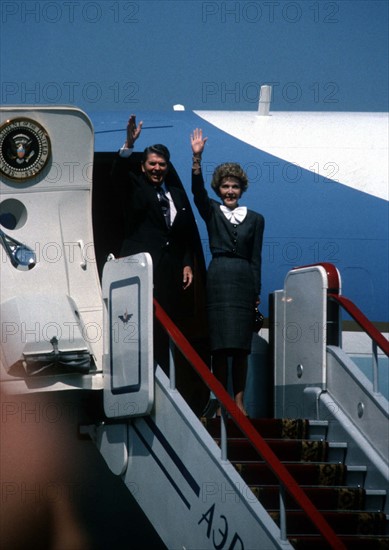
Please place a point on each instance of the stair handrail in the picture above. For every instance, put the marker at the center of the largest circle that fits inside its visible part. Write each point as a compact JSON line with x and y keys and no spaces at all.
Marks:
{"x":377,"y":339}
{"x":286,"y":480}
{"x":361,"y":319}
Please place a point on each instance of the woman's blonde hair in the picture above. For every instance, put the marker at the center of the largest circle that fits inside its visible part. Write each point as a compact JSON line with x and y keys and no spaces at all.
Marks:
{"x":229,"y":169}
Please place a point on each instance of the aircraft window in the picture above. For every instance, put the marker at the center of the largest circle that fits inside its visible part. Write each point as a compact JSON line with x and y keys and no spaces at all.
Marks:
{"x":13,"y":214}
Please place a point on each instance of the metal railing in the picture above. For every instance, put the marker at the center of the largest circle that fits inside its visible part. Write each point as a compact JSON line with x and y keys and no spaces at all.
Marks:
{"x":286,"y":481}
{"x":377,"y":339}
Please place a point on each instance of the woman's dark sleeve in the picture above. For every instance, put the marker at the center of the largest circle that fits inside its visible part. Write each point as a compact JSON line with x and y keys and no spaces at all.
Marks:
{"x":256,"y":253}
{"x":200,"y":196}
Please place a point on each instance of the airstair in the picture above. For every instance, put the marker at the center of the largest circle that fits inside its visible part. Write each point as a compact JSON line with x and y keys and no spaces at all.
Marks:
{"x":316,"y":478}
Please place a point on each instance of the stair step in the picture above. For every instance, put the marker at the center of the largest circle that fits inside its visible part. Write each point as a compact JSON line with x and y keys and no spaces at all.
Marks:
{"x":286,"y":449}
{"x":337,"y":451}
{"x":267,"y":427}
{"x":356,"y":542}
{"x":285,"y":428}
{"x":306,"y":450}
{"x":318,"y":429}
{"x":305,"y":473}
{"x":356,"y":476}
{"x":375,"y":499}
{"x":343,"y":522}
{"x":308,"y":473}
{"x":324,"y":498}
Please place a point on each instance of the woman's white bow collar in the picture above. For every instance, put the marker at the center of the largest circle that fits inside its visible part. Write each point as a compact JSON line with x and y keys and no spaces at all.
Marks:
{"x":237,"y":215}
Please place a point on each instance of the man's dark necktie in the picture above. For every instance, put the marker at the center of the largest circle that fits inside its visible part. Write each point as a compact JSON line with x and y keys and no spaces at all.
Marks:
{"x":165,"y":205}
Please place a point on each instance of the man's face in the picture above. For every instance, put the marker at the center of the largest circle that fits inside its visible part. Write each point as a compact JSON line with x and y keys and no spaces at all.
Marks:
{"x":155,"y":168}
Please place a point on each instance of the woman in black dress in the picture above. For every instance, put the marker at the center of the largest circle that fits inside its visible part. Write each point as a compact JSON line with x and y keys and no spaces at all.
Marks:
{"x":234,"y":273}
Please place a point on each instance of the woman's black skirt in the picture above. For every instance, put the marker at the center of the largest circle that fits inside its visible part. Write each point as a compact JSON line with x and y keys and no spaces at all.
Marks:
{"x":230,"y":303}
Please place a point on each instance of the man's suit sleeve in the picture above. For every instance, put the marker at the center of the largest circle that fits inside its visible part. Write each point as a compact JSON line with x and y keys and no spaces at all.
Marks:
{"x":256,"y":257}
{"x":123,"y":184}
{"x":188,"y":258}
{"x":128,"y":199}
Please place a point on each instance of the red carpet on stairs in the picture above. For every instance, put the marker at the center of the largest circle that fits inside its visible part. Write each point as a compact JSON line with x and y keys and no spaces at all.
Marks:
{"x":328,"y":484}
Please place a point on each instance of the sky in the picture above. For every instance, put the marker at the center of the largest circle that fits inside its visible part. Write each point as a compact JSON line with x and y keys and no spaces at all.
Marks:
{"x":150,"y":55}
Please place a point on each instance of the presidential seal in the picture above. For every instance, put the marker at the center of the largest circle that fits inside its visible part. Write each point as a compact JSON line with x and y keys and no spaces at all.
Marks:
{"x":24,"y":149}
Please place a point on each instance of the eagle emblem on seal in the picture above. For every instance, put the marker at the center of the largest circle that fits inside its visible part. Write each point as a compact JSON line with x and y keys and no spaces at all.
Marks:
{"x":24,"y":149}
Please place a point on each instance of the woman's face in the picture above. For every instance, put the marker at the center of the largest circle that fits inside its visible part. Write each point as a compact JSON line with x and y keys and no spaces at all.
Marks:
{"x":230,"y":191}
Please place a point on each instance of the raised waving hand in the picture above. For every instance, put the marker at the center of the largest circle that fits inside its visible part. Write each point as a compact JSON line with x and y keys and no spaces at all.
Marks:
{"x":197,"y":141}
{"x":133,"y":131}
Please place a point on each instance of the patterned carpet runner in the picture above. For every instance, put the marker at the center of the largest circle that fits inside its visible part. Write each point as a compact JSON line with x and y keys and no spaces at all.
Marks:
{"x":327,"y":482}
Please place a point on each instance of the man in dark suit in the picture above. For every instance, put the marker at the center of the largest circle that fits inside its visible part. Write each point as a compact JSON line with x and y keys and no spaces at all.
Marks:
{"x":158,"y":219}
{"x":156,"y":214}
